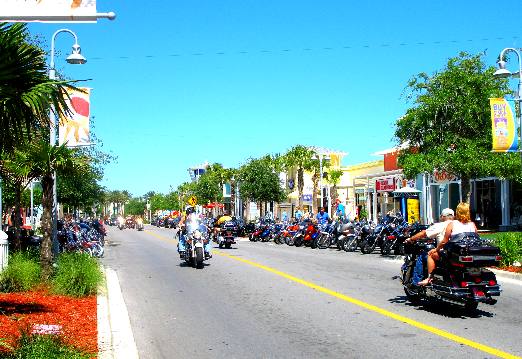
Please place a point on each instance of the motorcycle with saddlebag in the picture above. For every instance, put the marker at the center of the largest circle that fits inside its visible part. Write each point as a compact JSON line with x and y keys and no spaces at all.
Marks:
{"x":460,"y":276}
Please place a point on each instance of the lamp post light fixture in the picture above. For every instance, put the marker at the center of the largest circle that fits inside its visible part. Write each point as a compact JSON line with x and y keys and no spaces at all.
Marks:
{"x":75,"y":58}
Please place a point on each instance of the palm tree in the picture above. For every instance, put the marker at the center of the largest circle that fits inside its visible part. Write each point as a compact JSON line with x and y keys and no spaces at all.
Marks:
{"x":15,"y":168}
{"x":45,"y":160}
{"x":299,"y":156}
{"x":26,"y":93}
{"x":334,"y":177}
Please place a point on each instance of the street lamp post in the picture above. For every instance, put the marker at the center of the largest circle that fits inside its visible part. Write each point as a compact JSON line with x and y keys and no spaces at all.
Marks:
{"x":504,"y":73}
{"x":75,"y":58}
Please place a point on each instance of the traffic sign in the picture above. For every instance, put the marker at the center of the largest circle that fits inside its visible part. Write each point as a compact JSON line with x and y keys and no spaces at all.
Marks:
{"x":192,"y":200}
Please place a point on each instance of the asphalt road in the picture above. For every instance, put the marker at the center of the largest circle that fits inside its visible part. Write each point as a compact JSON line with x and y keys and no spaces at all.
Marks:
{"x":259,"y":300}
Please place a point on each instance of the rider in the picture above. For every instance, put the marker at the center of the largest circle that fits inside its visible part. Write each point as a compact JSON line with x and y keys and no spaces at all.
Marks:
{"x":190,"y":214}
{"x":437,"y":231}
{"x":322,"y":217}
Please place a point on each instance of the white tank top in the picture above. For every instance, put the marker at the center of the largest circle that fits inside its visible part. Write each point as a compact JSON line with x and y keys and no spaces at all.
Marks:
{"x":459,"y":227}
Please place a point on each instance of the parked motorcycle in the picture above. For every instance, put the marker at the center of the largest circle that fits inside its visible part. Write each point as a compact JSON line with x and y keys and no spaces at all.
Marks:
{"x":380,"y":232}
{"x":460,"y":277}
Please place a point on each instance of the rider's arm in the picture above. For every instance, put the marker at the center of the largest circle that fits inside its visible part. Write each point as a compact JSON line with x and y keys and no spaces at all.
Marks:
{"x":415,"y":237}
{"x":447,"y":235}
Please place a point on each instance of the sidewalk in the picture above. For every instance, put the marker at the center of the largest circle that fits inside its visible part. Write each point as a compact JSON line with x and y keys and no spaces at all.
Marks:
{"x":115,"y":338}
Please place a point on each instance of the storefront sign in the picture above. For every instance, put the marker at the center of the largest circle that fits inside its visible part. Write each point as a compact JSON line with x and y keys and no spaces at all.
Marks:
{"x":440,"y":176}
{"x":307,"y":198}
{"x":387,"y":184}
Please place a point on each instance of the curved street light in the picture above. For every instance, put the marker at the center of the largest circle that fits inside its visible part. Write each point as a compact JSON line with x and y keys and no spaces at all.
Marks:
{"x":75,"y":58}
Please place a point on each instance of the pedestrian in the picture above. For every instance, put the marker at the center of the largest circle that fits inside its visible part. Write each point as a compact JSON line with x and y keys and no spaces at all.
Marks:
{"x":322,"y":217}
{"x":340,"y":210}
{"x":298,"y":214}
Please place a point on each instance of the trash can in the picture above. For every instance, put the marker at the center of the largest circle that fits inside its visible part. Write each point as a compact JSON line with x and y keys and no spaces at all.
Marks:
{"x":4,"y":250}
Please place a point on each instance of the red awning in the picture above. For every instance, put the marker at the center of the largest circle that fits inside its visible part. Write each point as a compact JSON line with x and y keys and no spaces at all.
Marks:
{"x":214,"y":205}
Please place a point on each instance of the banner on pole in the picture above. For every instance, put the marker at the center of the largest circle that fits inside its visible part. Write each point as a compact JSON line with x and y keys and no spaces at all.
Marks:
{"x":74,"y":129}
{"x":504,"y":126}
{"x":48,"y":11}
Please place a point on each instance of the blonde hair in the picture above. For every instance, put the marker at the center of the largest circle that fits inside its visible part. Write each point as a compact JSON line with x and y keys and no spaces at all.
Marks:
{"x":462,"y":214}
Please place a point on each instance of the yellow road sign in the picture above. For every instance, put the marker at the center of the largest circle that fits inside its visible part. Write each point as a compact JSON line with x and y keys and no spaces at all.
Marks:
{"x":192,"y":200}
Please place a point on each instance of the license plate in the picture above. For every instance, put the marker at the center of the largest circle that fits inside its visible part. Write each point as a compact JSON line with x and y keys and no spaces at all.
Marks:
{"x":474,"y":271}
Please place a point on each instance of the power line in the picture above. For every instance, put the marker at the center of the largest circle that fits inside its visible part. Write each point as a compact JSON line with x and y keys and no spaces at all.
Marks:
{"x":307,"y":49}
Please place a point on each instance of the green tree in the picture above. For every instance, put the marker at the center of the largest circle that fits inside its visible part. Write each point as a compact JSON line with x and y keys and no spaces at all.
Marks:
{"x":299,"y":157}
{"x":26,"y":93}
{"x":334,"y":177}
{"x":135,"y":207}
{"x":45,"y":159}
{"x":16,"y":169}
{"x":449,"y":125}
{"x":259,"y":182}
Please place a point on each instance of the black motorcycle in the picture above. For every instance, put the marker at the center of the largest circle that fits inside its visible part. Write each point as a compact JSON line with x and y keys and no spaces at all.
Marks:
{"x":460,"y":277}
{"x":383,"y":229}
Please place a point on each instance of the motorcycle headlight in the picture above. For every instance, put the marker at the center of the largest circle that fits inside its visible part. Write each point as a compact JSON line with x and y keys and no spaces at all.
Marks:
{"x":196,"y":234}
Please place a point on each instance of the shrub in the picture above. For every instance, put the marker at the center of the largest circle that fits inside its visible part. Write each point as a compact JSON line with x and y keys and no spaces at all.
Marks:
{"x":44,"y":347}
{"x":22,"y":273}
{"x":77,"y":275}
{"x":510,"y":245}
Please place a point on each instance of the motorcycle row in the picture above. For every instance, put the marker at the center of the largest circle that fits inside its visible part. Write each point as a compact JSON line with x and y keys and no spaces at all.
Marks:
{"x":82,"y":236}
{"x":461,"y":276}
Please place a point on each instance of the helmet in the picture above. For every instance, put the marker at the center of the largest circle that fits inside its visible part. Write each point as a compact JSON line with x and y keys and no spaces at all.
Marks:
{"x":190,"y":210}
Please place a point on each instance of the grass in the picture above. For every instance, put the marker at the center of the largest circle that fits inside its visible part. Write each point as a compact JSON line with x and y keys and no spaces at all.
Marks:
{"x":43,"y":347}
{"x":510,"y":245}
{"x":21,"y":274}
{"x":77,"y":275}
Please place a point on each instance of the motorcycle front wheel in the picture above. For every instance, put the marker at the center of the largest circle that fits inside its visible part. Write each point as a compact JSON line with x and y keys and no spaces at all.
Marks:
{"x":199,"y":258}
{"x":386,"y":248}
{"x":323,"y":241}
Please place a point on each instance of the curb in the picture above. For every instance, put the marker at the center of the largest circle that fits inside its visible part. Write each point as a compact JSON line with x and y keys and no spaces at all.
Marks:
{"x":115,"y":337}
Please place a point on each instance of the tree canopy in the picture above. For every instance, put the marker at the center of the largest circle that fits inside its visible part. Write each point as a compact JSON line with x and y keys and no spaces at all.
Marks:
{"x":449,"y":127}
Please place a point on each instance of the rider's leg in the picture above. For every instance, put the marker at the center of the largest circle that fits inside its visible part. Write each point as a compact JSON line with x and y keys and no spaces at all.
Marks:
{"x":431,"y":267}
{"x":181,"y":244}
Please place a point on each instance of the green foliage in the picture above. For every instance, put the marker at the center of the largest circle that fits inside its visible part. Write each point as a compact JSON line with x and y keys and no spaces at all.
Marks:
{"x":77,"y":275}
{"x":135,"y":207}
{"x":209,"y":187}
{"x":510,"y":245}
{"x":35,"y":346}
{"x":26,"y":92}
{"x":449,"y":124}
{"x":21,"y":274}
{"x":259,"y":182}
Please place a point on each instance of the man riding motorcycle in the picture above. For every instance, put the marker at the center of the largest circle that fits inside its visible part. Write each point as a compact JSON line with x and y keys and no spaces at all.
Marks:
{"x":190,"y":214}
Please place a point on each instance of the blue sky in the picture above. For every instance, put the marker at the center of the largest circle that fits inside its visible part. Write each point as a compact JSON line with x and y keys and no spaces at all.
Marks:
{"x":177,"y":83}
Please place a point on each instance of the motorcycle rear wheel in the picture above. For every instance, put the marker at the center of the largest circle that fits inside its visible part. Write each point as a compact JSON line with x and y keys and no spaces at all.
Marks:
{"x":350,"y":245}
{"x":228,"y":245}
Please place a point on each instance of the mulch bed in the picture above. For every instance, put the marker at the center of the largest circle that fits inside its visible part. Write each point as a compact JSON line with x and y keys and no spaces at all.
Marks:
{"x":511,"y":269}
{"x":77,"y":317}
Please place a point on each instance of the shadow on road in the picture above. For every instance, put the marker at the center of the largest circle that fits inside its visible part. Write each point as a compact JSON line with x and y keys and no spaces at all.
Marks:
{"x":442,"y":309}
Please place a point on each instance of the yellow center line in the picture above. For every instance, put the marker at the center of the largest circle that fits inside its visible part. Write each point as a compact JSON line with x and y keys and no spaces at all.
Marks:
{"x":373,"y":308}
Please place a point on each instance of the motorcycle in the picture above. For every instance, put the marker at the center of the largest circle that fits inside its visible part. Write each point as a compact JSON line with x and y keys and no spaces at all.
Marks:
{"x":139,"y":225}
{"x":380,"y":232}
{"x":227,"y":234}
{"x":196,"y":238}
{"x":459,"y":278}
{"x":121,"y":224}
{"x":355,"y":238}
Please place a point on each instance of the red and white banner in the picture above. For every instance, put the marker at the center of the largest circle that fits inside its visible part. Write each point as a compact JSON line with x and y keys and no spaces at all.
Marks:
{"x":74,"y":129}
{"x":388,"y":184}
{"x":48,"y":10}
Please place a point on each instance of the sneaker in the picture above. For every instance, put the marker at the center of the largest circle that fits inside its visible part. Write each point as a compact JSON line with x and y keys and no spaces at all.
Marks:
{"x":208,"y":255}
{"x":182,"y":255}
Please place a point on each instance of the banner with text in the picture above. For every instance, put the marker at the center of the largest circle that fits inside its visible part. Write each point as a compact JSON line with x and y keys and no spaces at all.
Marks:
{"x":503,"y":125}
{"x":48,"y":11}
{"x":74,"y":129}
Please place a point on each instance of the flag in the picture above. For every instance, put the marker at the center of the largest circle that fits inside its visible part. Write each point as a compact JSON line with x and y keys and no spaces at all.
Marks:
{"x":48,"y":11}
{"x":503,"y":125}
{"x":74,"y":128}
